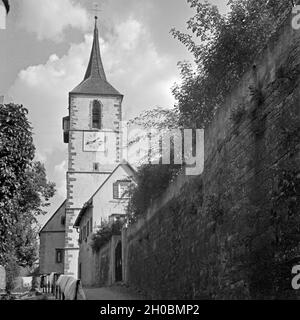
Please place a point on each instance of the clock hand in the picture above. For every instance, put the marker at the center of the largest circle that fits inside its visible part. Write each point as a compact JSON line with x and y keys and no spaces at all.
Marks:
{"x":94,"y":141}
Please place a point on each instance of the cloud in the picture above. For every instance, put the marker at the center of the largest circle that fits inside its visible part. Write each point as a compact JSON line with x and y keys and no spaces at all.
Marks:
{"x":44,"y":88}
{"x":52,"y":18}
{"x":133,"y":66}
{"x":59,"y":176}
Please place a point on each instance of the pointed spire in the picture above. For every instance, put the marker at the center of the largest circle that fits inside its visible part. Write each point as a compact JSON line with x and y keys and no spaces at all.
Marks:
{"x":95,"y":66}
{"x":95,"y":81}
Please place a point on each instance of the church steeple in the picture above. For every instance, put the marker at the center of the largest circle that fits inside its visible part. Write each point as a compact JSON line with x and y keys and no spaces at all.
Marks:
{"x":95,"y":67}
{"x":95,"y":81}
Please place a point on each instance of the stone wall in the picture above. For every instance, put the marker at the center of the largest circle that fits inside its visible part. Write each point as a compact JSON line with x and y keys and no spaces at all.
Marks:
{"x":103,"y":264}
{"x":213,"y":236}
{"x":2,"y":279}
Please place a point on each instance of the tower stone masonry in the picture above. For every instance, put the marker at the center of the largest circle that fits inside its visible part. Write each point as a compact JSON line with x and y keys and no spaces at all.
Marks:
{"x":92,"y":131}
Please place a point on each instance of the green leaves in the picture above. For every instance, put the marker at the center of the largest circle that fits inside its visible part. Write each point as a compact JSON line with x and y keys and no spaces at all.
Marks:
{"x":104,"y":234}
{"x":24,"y":189}
{"x":224,"y":46}
{"x":153,"y":180}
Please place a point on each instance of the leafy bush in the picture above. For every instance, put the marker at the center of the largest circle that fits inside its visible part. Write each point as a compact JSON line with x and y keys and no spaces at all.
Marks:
{"x":24,"y":190}
{"x":152,"y":180}
{"x":238,"y":114}
{"x":105,"y":233}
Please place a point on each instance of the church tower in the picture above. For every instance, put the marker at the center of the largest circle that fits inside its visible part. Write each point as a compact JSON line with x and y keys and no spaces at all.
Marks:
{"x":92,"y":131}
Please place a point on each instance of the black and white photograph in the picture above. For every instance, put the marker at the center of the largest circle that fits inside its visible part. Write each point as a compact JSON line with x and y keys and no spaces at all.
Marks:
{"x":149,"y":151}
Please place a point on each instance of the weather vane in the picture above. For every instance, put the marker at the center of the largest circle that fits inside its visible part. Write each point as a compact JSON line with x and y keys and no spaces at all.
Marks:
{"x":96,"y":9}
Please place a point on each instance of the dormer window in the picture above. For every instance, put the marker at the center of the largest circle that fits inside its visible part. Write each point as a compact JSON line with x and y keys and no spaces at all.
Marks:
{"x":96,"y":115}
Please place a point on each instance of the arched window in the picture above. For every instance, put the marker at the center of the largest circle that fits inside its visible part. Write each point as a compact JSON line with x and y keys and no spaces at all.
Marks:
{"x":96,"y":115}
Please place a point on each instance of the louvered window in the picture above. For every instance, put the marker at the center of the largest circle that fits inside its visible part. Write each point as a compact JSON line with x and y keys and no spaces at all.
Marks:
{"x":96,"y":115}
{"x":80,"y":236}
{"x":116,"y":190}
{"x":120,"y":189}
{"x":91,"y":224}
{"x":88,"y":228}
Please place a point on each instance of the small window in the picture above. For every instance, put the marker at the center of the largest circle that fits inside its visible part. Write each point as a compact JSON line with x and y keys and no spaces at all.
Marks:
{"x":96,"y":115}
{"x":88,"y":228}
{"x":80,"y":236}
{"x":63,"y":220}
{"x":59,"y":255}
{"x":91,"y":224}
{"x":84,"y":233}
{"x":96,"y":166}
{"x":116,"y":217}
{"x":66,"y":128}
{"x":79,"y":271}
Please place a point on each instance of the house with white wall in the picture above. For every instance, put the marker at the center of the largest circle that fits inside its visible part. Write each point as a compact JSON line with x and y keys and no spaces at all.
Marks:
{"x":107,"y":204}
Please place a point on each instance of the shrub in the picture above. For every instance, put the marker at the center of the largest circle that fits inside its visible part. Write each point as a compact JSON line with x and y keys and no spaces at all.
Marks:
{"x":105,"y":233}
{"x":237,"y":114}
{"x":224,"y":47}
{"x":152,"y":180}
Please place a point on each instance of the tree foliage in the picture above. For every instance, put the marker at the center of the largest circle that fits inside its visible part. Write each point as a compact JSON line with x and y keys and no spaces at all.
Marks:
{"x":105,"y":232}
{"x":223,"y":46}
{"x":24,"y":189}
{"x":152,"y":181}
{"x":146,"y":132}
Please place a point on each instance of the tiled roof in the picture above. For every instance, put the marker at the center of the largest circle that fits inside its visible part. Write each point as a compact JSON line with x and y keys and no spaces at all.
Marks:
{"x":94,"y":81}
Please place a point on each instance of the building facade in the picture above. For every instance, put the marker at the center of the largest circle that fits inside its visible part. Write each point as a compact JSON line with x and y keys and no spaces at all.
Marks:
{"x":107,"y":205}
{"x":52,"y":243}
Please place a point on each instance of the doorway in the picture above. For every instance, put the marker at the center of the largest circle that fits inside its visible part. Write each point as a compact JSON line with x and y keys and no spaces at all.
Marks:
{"x":118,"y":262}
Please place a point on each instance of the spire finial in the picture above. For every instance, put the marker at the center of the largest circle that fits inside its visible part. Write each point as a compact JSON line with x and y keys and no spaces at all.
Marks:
{"x":96,"y":11}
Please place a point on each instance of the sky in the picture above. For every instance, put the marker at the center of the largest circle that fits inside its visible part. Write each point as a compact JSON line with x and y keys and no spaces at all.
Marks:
{"x":44,"y":53}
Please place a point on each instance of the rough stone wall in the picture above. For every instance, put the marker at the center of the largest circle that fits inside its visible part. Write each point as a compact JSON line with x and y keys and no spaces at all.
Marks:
{"x":180,"y":252}
{"x":102,"y":266}
{"x":104,"y":263}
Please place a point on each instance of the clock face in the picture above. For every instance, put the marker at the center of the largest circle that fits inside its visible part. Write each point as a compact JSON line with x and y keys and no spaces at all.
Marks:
{"x":94,"y":141}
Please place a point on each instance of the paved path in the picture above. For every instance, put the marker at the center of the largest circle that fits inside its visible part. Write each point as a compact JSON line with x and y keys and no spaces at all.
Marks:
{"x":111,"y":293}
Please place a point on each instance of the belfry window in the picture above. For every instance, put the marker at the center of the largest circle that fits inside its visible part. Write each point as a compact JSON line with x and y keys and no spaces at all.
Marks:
{"x":96,"y":115}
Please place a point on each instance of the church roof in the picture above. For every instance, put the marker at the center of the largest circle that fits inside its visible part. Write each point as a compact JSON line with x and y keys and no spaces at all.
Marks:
{"x":95,"y":81}
{"x":57,"y":226}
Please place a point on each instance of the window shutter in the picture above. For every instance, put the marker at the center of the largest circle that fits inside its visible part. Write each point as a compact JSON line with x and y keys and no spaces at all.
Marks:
{"x":80,"y":236}
{"x":116,"y":190}
{"x":88,"y":228}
